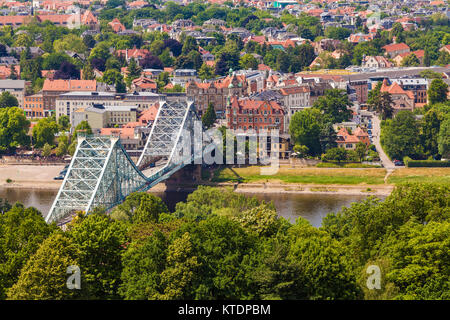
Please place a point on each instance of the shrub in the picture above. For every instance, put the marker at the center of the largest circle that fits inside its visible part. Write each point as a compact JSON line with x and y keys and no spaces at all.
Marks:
{"x":427,"y":163}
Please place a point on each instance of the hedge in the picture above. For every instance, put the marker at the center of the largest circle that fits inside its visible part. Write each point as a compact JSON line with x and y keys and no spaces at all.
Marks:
{"x":427,"y":163}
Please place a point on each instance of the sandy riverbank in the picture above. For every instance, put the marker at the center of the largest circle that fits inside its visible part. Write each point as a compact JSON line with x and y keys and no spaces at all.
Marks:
{"x":30,"y":176}
{"x":41,"y":177}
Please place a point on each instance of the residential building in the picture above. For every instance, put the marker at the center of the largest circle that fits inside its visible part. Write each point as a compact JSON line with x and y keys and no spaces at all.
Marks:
{"x":394,"y":49}
{"x":66,"y":103}
{"x":54,"y":88}
{"x":402,"y":99}
{"x":377,"y":62}
{"x":296,"y":98}
{"x":34,"y":106}
{"x":103,"y":116}
{"x":15,"y":88}
{"x":246,"y":114}
{"x":418,"y":86}
{"x":349,"y":141}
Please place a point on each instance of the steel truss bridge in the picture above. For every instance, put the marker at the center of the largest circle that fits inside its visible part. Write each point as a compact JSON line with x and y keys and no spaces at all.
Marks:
{"x":101,"y":173}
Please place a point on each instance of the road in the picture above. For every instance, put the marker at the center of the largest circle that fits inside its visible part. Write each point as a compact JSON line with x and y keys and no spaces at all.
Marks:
{"x":387,"y":163}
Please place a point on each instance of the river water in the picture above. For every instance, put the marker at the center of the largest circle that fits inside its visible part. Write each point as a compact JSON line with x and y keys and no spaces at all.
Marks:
{"x":313,"y":207}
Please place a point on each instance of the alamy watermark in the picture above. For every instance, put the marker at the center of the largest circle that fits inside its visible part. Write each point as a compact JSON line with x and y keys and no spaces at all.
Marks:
{"x":374,"y":280}
{"x":74,"y":280}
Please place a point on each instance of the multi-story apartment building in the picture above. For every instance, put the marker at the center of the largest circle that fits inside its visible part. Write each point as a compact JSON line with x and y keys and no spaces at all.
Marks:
{"x":15,"y":88}
{"x":102,"y":116}
{"x":68,"y":102}
{"x":52,"y":89}
{"x":296,"y":98}
{"x":246,"y":114}
{"x":34,"y":106}
{"x":418,"y":86}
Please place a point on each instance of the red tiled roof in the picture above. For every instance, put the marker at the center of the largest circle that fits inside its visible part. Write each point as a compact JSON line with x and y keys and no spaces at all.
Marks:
{"x":69,"y":85}
{"x":395,"y":47}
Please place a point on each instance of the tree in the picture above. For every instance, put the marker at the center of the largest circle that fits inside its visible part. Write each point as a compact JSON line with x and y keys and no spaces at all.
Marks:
{"x":63,"y":146}
{"x":142,"y":267}
{"x":300,"y":150}
{"x":64,"y":123}
{"x":44,"y":132}
{"x":430,"y":131}
{"x":410,"y":60}
{"x":437,"y":91}
{"x":206,"y":72}
{"x":335,"y":104}
{"x":327,"y":137}
{"x":133,"y":71}
{"x":400,"y":136}
{"x":385,"y":106}
{"x":101,"y":242}
{"x":44,"y":275}
{"x":209,"y":117}
{"x":381,"y":102}
{"x":426,"y":58}
{"x":174,"y":46}
{"x":151,"y":62}
{"x":305,"y":129}
{"x":13,"y":73}
{"x":7,"y":100}
{"x":112,"y":76}
{"x":67,"y":70}
{"x":13,"y":129}
{"x":140,"y":207}
{"x":444,"y":139}
{"x":196,"y":59}
{"x":22,"y":230}
{"x":361,"y":150}
{"x":46,"y":150}
{"x":335,"y":154}
{"x":248,"y":61}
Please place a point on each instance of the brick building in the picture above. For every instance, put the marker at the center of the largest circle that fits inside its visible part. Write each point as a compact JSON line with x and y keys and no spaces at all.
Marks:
{"x":247,"y":114}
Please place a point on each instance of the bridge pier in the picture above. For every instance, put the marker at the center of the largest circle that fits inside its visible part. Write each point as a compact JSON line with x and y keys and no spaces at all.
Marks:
{"x":189,"y":176}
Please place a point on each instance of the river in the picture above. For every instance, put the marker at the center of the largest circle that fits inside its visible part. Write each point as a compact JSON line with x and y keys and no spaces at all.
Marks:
{"x":313,"y":207}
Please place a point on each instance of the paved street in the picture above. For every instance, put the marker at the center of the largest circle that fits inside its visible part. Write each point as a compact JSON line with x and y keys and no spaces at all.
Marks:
{"x":387,"y":163}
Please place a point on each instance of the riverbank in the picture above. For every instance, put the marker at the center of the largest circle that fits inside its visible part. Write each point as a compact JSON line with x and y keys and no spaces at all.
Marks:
{"x":288,"y":181}
{"x":30,"y":176}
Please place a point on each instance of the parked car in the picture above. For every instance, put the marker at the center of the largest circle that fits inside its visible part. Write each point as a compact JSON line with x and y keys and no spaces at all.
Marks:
{"x":63,"y":172}
{"x":369,"y":132}
{"x":60,"y":177}
{"x":398,"y":163}
{"x":369,"y":126}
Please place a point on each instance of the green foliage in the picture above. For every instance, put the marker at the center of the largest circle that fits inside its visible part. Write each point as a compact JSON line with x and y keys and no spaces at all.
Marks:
{"x":206,"y":201}
{"x":13,"y":129}
{"x":21,"y":233}
{"x":444,"y":139}
{"x":437,"y":91}
{"x":335,"y":104}
{"x":44,"y":132}
{"x":101,"y":242}
{"x":428,"y":164}
{"x":140,"y":207}
{"x":401,"y":136}
{"x":7,"y":100}
{"x":405,"y":235}
{"x":44,"y":275}
{"x":209,"y":118}
{"x":304,"y":128}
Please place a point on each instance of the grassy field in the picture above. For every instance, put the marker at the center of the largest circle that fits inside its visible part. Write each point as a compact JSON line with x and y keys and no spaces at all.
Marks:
{"x":351,"y":176}
{"x":436,"y":175}
{"x":302,"y":175}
